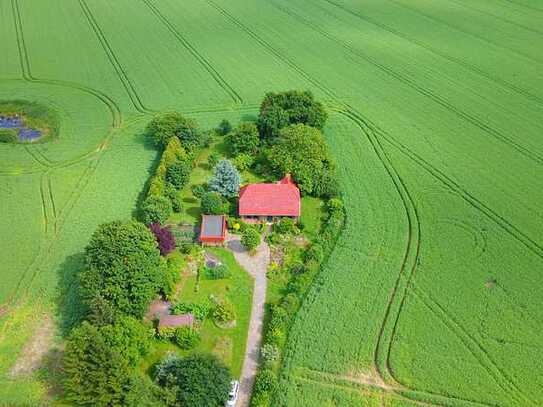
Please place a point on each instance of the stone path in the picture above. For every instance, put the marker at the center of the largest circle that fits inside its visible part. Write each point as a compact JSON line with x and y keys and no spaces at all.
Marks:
{"x":256,"y":266}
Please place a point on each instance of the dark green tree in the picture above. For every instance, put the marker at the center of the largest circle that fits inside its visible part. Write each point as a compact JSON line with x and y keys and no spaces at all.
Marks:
{"x":156,"y":209}
{"x":224,"y":127}
{"x":244,"y":139}
{"x":301,"y":151}
{"x":123,"y":268}
{"x":197,"y":380}
{"x":98,"y":362}
{"x":165,"y":126}
{"x":292,"y":107}
{"x":178,"y":173}
{"x":213,"y":204}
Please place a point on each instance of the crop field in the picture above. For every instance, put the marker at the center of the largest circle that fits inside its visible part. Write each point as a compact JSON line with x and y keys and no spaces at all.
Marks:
{"x":433,"y":293}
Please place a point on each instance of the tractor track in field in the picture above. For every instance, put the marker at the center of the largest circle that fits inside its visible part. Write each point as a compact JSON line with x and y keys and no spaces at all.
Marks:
{"x":437,"y":52}
{"x":349,"y":110}
{"x":474,"y":347}
{"x":539,"y":62}
{"x":497,"y":17}
{"x":114,"y":60}
{"x":234,"y":95}
{"x":523,"y":6}
{"x":420,"y":89}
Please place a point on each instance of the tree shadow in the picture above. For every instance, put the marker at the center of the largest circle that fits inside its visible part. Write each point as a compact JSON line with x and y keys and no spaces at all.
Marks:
{"x":147,"y":144}
{"x":70,"y":307}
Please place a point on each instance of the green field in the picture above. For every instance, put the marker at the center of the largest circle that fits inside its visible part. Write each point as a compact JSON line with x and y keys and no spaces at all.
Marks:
{"x":432,"y":295}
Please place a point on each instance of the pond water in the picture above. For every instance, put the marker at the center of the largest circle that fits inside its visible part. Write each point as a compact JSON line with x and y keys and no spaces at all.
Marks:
{"x":16,"y":122}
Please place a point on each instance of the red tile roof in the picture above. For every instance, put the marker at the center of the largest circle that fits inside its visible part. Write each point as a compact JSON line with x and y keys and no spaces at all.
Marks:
{"x":280,"y":199}
{"x":213,"y":227}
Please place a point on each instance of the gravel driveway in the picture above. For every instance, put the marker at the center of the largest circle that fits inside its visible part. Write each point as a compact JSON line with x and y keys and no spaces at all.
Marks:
{"x":256,"y":266}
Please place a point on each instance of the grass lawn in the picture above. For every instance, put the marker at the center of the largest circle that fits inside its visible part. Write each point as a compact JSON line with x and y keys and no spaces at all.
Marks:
{"x":227,"y":344}
{"x":312,"y":212}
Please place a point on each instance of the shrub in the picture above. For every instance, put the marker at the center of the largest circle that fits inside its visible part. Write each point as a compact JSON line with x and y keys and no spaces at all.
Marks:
{"x":216,"y":273}
{"x":250,"y":238}
{"x":286,"y":226}
{"x":199,"y":311}
{"x":224,"y":127}
{"x":224,"y":311}
{"x":198,"y":190}
{"x":243,"y":162}
{"x":156,"y":209}
{"x":196,"y":381}
{"x":173,"y":195}
{"x":334,"y":205}
{"x":172,"y":273}
{"x":178,"y":174}
{"x":269,"y":353}
{"x":123,"y":267}
{"x":166,"y":126}
{"x":164,"y":238}
{"x":186,"y":338}
{"x":213,"y":159}
{"x":265,"y":382}
{"x":244,"y":139}
{"x":8,"y":136}
{"x":314,"y":253}
{"x":226,"y":179}
{"x":173,"y":153}
{"x":214,"y":204}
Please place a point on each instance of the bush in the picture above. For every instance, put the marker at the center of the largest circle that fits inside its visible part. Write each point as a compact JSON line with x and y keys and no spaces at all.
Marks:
{"x":244,"y":139}
{"x":214,"y":204}
{"x":315,"y":253}
{"x":8,"y":136}
{"x":164,"y":238}
{"x":156,"y":209}
{"x":123,"y":268}
{"x":224,"y":311}
{"x":286,"y":226}
{"x":172,"y":273}
{"x":334,"y":205}
{"x":226,"y":179}
{"x":265,"y":382}
{"x":199,"y":311}
{"x":250,"y":238}
{"x":213,"y":159}
{"x":216,"y":273}
{"x":269,"y":353}
{"x":178,"y":174}
{"x":166,"y":126}
{"x":198,"y":190}
{"x":196,"y":381}
{"x":173,"y":153}
{"x":224,"y":127}
{"x":243,"y":162}
{"x":278,"y":110}
{"x":173,"y":195}
{"x":186,"y":338}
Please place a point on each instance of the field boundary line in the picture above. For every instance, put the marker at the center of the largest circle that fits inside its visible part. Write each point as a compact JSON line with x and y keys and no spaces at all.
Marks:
{"x":523,"y":5}
{"x":234,"y":95}
{"x":505,"y":84}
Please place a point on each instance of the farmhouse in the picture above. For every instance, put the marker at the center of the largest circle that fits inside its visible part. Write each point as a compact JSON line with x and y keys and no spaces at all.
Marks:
{"x":268,"y":202}
{"x":213,"y":229}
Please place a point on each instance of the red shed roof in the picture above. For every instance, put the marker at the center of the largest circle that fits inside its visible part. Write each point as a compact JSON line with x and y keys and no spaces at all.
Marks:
{"x":280,"y":199}
{"x":213,"y":227}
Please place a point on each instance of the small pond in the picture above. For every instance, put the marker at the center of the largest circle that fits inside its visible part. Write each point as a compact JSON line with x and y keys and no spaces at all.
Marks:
{"x":17,"y":124}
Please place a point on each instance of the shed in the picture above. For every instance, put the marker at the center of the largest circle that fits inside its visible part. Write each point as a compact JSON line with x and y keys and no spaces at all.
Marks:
{"x":213,"y":229}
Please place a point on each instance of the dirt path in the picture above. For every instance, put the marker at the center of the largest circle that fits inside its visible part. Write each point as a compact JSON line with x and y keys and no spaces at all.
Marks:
{"x":256,"y":266}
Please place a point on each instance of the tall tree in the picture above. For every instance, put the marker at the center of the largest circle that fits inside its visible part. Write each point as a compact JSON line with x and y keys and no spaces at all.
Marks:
{"x":163,"y":127}
{"x":197,"y":380}
{"x":244,"y":139}
{"x":123,"y":268}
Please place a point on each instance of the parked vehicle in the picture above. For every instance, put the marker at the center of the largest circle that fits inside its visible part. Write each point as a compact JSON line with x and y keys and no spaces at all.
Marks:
{"x":233,"y":395}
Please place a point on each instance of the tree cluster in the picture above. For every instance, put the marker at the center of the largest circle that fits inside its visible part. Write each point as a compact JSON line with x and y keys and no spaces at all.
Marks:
{"x":169,"y":125}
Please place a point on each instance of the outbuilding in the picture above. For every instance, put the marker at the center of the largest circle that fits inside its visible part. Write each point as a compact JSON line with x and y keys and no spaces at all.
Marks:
{"x":213,"y":230}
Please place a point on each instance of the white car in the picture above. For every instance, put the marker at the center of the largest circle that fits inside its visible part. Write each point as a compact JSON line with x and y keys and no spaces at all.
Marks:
{"x":233,"y":395}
